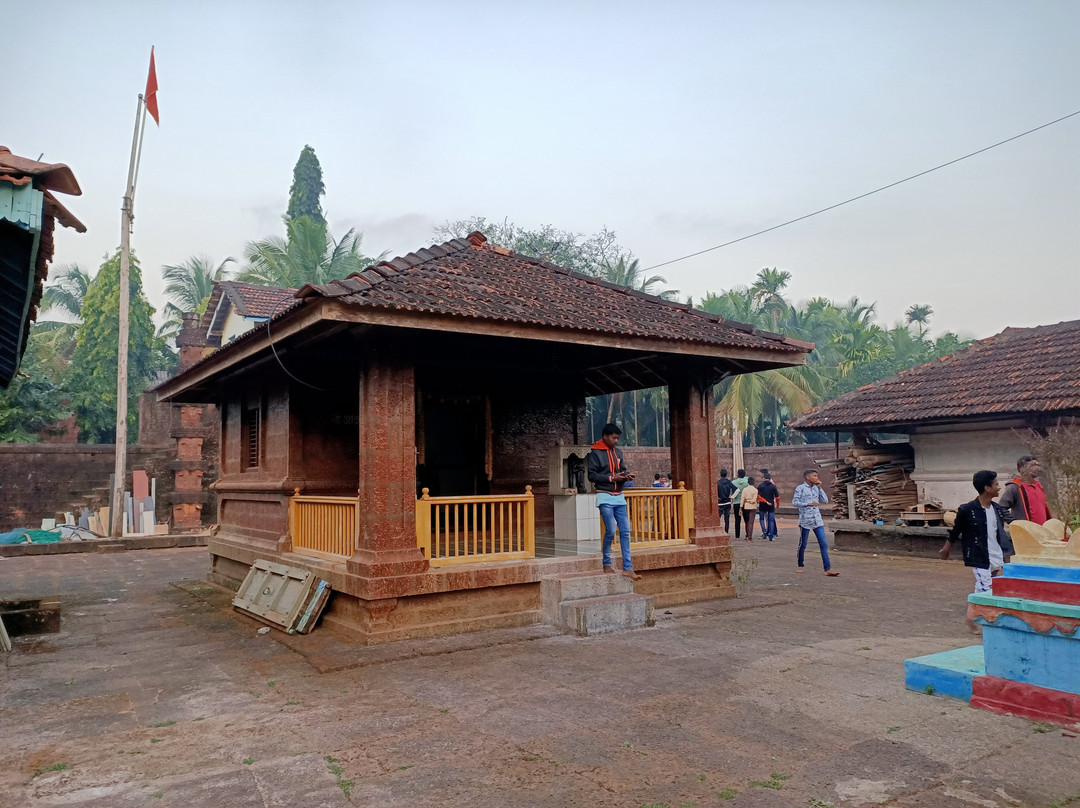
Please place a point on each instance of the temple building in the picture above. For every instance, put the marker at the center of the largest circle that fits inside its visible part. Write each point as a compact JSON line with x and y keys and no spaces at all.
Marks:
{"x":410,"y":434}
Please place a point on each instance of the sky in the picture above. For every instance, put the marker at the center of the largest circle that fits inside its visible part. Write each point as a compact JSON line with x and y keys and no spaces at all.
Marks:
{"x":678,"y":125}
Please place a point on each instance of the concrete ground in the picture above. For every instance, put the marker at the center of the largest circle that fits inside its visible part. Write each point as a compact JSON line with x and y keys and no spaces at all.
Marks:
{"x":157,"y":694}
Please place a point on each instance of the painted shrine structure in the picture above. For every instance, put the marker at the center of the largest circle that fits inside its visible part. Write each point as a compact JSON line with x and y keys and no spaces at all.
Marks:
{"x":392,"y":433}
{"x":1029,"y":661}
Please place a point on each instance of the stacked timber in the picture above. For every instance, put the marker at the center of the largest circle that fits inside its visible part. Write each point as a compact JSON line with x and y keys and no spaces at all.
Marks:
{"x":879,"y":475}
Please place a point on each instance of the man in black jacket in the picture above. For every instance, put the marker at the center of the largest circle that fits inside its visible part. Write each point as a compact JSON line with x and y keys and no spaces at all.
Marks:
{"x":608,"y":472}
{"x":725,"y":489}
{"x":980,"y":527}
{"x":768,"y":496}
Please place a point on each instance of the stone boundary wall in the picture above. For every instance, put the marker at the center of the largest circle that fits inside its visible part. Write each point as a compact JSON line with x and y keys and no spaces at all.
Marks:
{"x":41,"y":480}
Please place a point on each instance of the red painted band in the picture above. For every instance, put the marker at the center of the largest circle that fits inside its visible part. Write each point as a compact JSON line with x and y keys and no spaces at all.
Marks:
{"x":1027,"y":701}
{"x":1050,"y":591}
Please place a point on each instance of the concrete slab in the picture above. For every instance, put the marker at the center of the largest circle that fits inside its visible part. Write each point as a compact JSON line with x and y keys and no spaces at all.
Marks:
{"x":946,"y":673}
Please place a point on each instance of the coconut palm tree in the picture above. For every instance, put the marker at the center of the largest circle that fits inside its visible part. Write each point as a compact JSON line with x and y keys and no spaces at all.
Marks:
{"x":188,"y":286}
{"x":65,"y":292}
{"x":628,"y":273}
{"x":735,"y":304}
{"x":919,"y":314}
{"x":308,"y":255}
{"x":767,"y":289}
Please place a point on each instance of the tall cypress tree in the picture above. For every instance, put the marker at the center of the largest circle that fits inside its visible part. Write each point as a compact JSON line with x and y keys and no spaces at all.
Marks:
{"x":307,"y":188}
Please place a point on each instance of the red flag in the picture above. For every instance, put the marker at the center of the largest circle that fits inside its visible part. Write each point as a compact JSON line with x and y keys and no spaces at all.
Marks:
{"x":151,"y":91}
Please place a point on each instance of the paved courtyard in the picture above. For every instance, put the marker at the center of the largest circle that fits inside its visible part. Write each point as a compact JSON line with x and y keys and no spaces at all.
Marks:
{"x":157,"y":694}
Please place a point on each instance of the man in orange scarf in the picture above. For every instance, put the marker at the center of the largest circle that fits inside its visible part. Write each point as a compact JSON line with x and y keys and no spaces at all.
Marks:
{"x":608,"y":472}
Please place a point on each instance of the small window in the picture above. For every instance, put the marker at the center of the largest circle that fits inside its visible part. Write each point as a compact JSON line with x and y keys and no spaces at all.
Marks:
{"x":251,"y":434}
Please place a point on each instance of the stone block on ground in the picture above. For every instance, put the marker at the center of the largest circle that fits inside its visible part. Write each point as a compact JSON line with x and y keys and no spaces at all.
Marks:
{"x":589,"y":616}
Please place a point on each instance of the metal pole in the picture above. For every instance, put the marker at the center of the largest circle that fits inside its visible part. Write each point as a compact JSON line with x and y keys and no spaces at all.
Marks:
{"x":120,"y":469}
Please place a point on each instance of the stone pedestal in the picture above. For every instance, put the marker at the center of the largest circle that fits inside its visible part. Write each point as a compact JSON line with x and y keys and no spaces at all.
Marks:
{"x":577,"y":519}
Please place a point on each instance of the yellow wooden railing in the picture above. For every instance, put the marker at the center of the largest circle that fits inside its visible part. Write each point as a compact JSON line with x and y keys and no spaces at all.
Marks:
{"x":466,"y":530}
{"x":659,"y":516}
{"x":325,"y":527}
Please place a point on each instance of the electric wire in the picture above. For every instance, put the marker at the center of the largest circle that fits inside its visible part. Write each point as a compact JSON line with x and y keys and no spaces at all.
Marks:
{"x":861,"y":196}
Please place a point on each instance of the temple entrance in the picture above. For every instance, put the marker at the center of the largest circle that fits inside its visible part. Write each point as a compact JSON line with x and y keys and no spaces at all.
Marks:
{"x":453,"y":445}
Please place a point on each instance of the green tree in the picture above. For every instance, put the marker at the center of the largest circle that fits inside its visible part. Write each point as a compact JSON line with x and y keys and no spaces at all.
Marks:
{"x":34,"y":400}
{"x":65,"y":292}
{"x":768,"y":290}
{"x":588,"y":254}
{"x":307,"y":189}
{"x":735,"y":304}
{"x":919,"y":315}
{"x":188,"y":286}
{"x":91,"y":380}
{"x":308,"y":255}
{"x":628,"y":273}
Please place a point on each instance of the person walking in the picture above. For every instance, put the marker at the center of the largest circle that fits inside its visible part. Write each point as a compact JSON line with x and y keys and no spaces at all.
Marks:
{"x":608,"y":473}
{"x":748,"y":498}
{"x":725,"y":490}
{"x":980,"y":528}
{"x":808,"y":498}
{"x":1024,"y":496}
{"x":739,"y":482}
{"x":768,"y":498}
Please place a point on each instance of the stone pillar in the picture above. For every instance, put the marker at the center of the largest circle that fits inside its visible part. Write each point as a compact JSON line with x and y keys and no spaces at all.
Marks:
{"x":386,"y":545}
{"x":694,"y":457}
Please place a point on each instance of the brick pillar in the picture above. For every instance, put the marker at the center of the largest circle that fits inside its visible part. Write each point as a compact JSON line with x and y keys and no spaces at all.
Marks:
{"x":191,"y":468}
{"x":694,"y":457}
{"x":386,"y":545}
{"x":191,"y":341}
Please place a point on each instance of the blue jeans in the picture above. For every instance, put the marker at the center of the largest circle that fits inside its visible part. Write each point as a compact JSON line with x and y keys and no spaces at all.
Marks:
{"x":804,"y":534}
{"x":767,"y":520}
{"x":616,"y":515}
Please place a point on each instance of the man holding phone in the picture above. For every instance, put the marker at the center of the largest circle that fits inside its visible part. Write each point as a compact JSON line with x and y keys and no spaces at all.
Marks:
{"x":608,"y":472}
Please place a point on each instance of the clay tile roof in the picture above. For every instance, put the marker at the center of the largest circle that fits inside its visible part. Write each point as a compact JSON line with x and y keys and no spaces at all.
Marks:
{"x":46,"y":176}
{"x":472,"y":279}
{"x":250,"y":300}
{"x":1019,"y":371}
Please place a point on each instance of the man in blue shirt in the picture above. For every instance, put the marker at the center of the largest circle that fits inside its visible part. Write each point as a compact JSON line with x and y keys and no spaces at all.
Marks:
{"x":808,"y":498}
{"x":608,"y":472}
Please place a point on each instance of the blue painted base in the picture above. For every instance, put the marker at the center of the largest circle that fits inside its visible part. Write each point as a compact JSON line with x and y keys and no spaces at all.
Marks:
{"x":1038,"y":572}
{"x":1017,"y":652}
{"x":948,"y":673}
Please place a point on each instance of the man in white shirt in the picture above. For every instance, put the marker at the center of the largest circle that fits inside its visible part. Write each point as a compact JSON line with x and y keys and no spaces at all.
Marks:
{"x":808,"y":498}
{"x":980,"y":527}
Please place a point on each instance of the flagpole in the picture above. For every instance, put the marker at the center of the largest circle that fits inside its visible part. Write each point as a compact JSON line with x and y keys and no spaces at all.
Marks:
{"x":127,"y":214}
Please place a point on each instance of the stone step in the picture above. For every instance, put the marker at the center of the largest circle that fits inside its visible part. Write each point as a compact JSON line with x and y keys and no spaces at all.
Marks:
{"x":559,"y":589}
{"x":601,"y":615}
{"x":577,"y":585}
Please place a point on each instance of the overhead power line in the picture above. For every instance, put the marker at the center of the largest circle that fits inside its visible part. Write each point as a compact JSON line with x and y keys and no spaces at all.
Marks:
{"x":861,"y":196}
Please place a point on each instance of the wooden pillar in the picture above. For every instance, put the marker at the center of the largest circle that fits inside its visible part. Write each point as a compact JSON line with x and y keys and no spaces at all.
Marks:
{"x":386,"y":544}
{"x":694,"y":457}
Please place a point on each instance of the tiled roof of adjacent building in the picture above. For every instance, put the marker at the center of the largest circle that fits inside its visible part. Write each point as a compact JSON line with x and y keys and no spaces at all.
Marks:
{"x":250,"y":300}
{"x":470,"y":278}
{"x":1020,"y":371}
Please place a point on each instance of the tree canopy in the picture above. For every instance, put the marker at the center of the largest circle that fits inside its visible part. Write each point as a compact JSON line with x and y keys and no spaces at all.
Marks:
{"x":588,"y":254}
{"x":308,"y":255}
{"x":307,"y":189}
{"x":90,"y":381}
